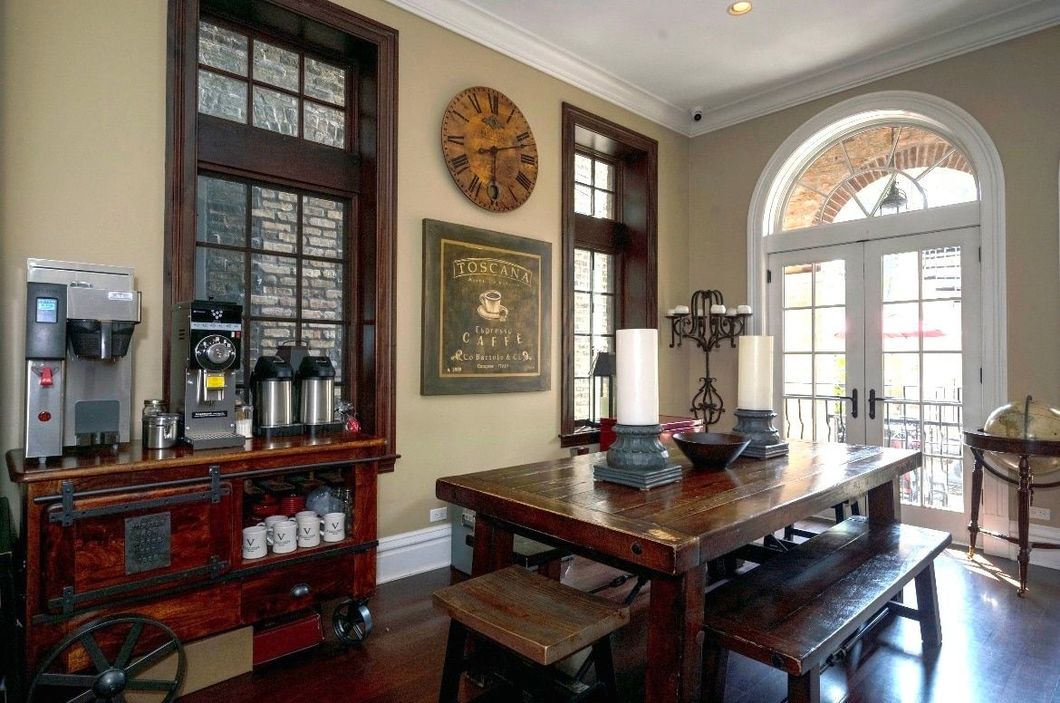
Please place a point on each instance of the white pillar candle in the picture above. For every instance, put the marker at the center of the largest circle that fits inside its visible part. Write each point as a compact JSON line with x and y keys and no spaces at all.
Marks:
{"x":637,"y":376}
{"x":755,"y":388}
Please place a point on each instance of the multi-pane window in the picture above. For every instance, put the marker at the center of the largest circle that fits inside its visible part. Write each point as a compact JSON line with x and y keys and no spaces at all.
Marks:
{"x":594,"y":186}
{"x":279,"y":252}
{"x":247,"y":79}
{"x":594,"y":332}
{"x":881,"y":170}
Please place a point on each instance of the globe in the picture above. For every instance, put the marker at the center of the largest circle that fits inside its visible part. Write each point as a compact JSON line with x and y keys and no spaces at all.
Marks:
{"x":1024,"y":419}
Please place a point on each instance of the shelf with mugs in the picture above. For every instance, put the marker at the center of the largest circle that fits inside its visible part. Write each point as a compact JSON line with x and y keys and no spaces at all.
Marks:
{"x":709,"y":323}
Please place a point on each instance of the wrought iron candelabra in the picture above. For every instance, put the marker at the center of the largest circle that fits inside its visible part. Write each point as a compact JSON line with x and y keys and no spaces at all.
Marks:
{"x":708,"y":330}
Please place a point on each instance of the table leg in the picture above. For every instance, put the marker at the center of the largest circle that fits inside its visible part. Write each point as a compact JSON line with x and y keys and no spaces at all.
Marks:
{"x":493,"y":546}
{"x":977,"y":499}
{"x":1024,"y":507}
{"x":884,"y":505}
{"x":675,"y":638}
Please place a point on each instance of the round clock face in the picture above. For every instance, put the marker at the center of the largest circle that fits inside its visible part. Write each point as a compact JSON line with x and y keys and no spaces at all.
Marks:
{"x":489,"y":149}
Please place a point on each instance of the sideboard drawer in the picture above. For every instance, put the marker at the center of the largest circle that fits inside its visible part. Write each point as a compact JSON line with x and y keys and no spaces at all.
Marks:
{"x":295,"y":587}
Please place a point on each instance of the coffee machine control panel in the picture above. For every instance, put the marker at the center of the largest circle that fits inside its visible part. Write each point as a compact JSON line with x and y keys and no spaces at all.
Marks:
{"x":216,"y":335}
{"x":215,"y":353}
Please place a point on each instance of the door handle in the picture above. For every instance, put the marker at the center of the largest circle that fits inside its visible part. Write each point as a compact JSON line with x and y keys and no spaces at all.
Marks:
{"x":853,"y":398}
{"x":872,"y":402}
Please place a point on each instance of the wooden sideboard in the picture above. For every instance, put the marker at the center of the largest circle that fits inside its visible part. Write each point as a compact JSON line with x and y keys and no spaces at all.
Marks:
{"x":158,"y":533}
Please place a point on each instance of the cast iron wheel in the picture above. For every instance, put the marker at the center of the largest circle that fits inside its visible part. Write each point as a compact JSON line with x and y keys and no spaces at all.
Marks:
{"x":108,"y":678}
{"x":351,"y":622}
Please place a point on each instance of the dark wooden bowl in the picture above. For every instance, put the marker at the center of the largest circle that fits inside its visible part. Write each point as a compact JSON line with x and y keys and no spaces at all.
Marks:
{"x":711,"y":450}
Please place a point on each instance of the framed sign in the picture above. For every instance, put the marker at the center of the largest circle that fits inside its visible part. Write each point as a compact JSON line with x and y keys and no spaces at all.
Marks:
{"x":486,"y":311}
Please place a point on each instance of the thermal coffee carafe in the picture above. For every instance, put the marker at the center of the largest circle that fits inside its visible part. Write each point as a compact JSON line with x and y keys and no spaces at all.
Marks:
{"x":79,"y":324}
{"x":316,"y":393}
{"x":206,"y":346}
{"x":272,"y":384}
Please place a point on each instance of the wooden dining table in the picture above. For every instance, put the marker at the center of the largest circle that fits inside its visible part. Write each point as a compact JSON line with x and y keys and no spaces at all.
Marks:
{"x":669,"y":533}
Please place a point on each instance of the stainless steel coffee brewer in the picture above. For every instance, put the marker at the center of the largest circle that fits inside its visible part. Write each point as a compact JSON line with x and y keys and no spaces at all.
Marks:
{"x":272,"y":384}
{"x":205,"y":349}
{"x":315,"y":390}
{"x":79,"y":323}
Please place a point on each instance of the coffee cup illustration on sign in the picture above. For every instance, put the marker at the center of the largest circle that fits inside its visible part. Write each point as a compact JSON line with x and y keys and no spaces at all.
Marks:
{"x":490,"y":307}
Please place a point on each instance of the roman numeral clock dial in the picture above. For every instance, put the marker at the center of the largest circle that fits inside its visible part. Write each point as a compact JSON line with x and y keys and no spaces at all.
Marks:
{"x":489,"y":149}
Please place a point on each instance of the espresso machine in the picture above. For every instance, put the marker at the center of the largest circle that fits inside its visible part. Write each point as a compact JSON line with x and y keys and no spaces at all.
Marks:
{"x":79,"y":323}
{"x":205,"y":349}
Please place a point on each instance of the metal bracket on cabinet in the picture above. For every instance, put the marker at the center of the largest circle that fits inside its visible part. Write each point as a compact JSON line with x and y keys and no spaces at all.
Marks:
{"x":68,"y":513}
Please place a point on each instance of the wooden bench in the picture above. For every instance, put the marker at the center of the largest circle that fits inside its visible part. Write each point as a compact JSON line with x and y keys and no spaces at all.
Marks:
{"x":539,"y":619}
{"x":797,"y":609}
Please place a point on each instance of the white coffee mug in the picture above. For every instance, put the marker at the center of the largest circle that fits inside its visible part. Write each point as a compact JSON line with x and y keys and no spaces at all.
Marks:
{"x":284,"y":536}
{"x":306,"y":514}
{"x":269,"y":522}
{"x":334,"y":529}
{"x":308,"y":530}
{"x":254,"y":542}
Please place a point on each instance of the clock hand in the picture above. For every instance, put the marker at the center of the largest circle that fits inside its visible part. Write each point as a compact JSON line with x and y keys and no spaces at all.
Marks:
{"x":495,"y":149}
{"x":492,"y":190}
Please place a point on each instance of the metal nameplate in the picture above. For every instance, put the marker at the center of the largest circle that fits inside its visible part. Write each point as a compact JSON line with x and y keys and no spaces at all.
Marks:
{"x":147,"y":543}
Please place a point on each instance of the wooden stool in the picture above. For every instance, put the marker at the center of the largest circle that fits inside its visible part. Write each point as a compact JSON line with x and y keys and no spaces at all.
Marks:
{"x":538,"y":619}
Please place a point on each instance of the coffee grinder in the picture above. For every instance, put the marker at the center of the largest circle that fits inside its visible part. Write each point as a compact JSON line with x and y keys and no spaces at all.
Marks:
{"x":205,"y":349}
{"x":79,"y":323}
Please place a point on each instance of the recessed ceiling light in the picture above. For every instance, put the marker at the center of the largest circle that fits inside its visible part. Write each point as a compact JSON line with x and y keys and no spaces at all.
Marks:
{"x":739,"y":8}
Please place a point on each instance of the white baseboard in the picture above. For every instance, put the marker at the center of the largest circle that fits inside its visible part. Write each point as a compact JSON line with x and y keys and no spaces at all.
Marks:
{"x":1049,"y":558}
{"x":412,"y":553}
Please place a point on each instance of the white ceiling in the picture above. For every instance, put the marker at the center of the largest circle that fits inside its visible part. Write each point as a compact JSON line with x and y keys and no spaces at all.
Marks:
{"x":661,"y":58}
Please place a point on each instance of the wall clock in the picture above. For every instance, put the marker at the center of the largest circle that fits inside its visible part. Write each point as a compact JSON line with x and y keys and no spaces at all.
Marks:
{"x":489,"y":149}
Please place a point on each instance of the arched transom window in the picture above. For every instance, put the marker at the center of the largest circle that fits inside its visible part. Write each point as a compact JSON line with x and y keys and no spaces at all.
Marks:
{"x":881,"y":170}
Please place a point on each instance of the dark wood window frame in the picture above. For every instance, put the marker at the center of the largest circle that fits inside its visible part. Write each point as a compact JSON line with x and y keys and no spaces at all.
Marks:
{"x":632,"y":237}
{"x":367,"y":168}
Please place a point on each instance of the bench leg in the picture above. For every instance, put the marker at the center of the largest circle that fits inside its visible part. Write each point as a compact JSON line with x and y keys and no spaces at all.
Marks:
{"x":605,"y":668}
{"x":805,"y":688}
{"x":553,"y":569}
{"x":715,"y":665}
{"x":927,"y":603}
{"x":454,"y":663}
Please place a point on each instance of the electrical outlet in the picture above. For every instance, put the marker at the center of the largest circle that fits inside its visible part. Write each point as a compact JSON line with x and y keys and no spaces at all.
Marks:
{"x":1041,"y":513}
{"x":439,"y":514}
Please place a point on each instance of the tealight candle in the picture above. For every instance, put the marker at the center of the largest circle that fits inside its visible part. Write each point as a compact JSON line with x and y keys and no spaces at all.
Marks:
{"x":743,"y":309}
{"x":681,"y":310}
{"x":717,"y":309}
{"x":731,"y":312}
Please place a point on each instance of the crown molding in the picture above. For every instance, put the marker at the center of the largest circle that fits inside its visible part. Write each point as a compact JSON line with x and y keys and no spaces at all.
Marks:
{"x":1000,"y":27}
{"x":509,"y":39}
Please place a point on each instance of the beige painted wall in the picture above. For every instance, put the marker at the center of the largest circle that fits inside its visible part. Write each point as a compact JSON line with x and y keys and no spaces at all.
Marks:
{"x":1011,"y":89}
{"x":82,"y":120}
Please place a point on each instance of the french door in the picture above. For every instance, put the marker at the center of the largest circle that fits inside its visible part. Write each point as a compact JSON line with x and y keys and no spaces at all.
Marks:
{"x":878,"y":343}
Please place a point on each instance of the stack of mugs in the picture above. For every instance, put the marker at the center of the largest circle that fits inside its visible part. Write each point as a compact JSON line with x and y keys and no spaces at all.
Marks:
{"x":284,"y":534}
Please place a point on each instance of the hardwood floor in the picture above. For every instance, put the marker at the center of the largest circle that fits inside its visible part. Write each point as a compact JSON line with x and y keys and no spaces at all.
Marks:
{"x":997,"y":648}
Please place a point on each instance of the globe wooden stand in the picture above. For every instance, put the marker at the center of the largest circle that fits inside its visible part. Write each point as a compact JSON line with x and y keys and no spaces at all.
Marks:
{"x":980,"y":442}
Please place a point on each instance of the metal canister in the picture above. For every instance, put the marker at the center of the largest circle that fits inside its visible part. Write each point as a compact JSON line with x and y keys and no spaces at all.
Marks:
{"x":153,"y":406}
{"x":316,"y":391}
{"x":161,"y":430}
{"x":271,"y":381}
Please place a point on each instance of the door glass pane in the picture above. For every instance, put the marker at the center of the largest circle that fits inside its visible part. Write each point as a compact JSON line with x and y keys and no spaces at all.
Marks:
{"x":222,"y":48}
{"x":321,"y":290}
{"x":900,"y":276}
{"x":923,"y":371}
{"x":815,"y":344}
{"x":325,"y":125}
{"x":325,"y":82}
{"x":322,"y":227}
